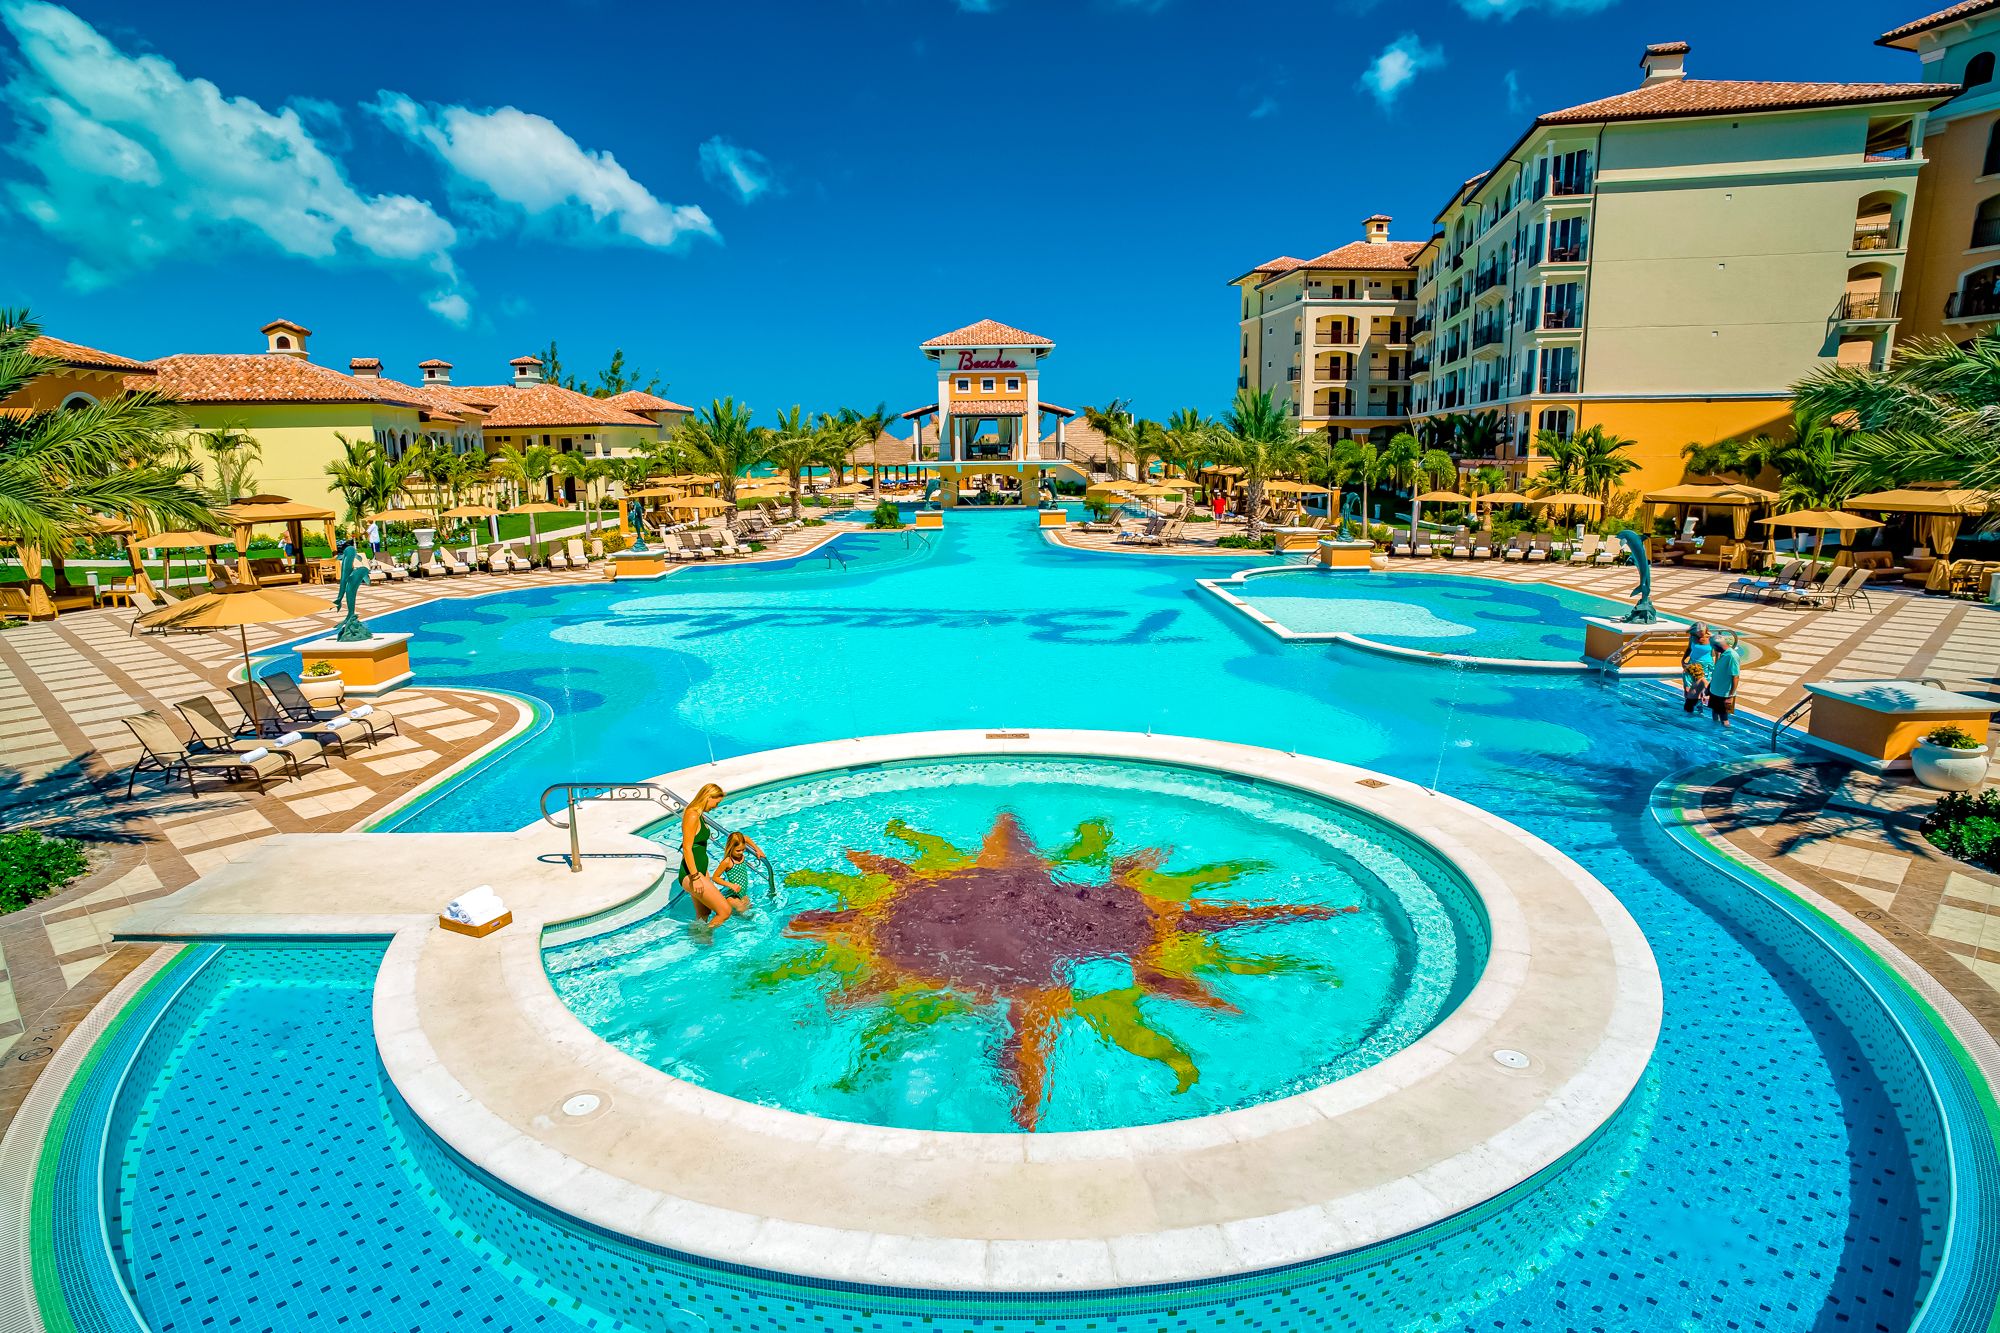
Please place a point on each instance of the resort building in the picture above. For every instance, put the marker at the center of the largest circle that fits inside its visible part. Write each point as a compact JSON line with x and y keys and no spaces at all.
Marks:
{"x":300,"y":413}
{"x":1952,"y":286}
{"x":988,"y":412}
{"x":87,"y":376}
{"x":530,"y":411}
{"x":1333,"y":335}
{"x":1667,"y":262}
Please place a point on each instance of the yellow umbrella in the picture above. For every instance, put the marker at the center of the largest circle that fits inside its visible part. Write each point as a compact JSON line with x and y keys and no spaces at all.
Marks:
{"x":1284,"y":487}
{"x":1568,"y":500}
{"x":653,"y":492}
{"x":851,"y":488}
{"x":1153,"y":488}
{"x":1820,"y":520}
{"x":174,"y":541}
{"x":1444,"y":497}
{"x":241,"y":607}
{"x":1501,"y":498}
{"x":701,"y":504}
{"x":472,"y":511}
{"x":401,"y":516}
{"x":533,"y":508}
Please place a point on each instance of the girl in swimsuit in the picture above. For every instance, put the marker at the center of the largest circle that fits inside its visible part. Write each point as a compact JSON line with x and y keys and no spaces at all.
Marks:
{"x":714,"y":899}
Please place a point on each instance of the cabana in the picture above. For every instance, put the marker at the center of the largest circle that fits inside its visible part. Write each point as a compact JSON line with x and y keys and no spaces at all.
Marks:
{"x":1937,"y":513}
{"x":246,"y":515}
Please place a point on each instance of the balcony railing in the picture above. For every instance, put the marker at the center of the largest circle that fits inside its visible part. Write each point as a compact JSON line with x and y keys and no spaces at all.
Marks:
{"x":1420,"y":325}
{"x":1973,"y":304}
{"x":1419,"y":365}
{"x":1336,"y":338}
{"x":1565,"y":383}
{"x":1570,"y":188}
{"x":1487,"y":336}
{"x":1564,"y":254}
{"x":1562,"y":318}
{"x":1875,"y":238}
{"x":1486,"y":280}
{"x":1859,"y":306}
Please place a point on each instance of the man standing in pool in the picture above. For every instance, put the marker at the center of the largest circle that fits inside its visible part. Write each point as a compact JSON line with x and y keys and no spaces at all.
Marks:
{"x":715,"y":900}
{"x":1723,"y":675}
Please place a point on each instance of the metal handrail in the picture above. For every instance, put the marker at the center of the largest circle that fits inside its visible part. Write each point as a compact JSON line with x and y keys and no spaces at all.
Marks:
{"x":1787,"y":718}
{"x":754,"y":861}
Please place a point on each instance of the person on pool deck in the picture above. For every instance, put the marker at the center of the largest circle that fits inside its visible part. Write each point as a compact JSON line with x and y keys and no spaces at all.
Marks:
{"x":1723,"y":674}
{"x":1694,"y":666}
{"x":706,"y":889}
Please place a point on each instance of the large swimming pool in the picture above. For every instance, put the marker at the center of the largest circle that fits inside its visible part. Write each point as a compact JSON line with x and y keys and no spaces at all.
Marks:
{"x":1781,"y":1166}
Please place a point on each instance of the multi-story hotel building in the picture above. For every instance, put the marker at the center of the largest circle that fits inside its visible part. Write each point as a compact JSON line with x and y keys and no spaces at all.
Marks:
{"x":1665,"y":263}
{"x":1333,"y":335}
{"x":1953,"y":282}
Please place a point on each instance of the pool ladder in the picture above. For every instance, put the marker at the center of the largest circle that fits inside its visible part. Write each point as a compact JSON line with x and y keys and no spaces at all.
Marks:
{"x":755,"y":865}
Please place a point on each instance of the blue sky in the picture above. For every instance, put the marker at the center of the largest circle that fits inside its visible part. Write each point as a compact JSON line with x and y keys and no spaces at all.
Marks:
{"x":778,"y":199}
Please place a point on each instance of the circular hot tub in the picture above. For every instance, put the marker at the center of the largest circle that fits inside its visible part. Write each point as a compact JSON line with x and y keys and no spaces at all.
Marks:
{"x":993,"y":943}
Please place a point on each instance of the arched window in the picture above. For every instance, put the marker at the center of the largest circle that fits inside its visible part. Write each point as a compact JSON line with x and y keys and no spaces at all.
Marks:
{"x":77,"y":400}
{"x":1979,"y":69}
{"x":283,"y":342}
{"x":1986,"y":225}
{"x":1991,"y":167}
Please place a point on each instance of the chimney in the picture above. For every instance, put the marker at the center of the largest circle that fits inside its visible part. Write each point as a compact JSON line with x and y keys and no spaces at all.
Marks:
{"x":1664,"y":61}
{"x":435,"y":371}
{"x":284,"y":338}
{"x":1376,"y":229}
{"x":365,"y":368}
{"x":527,"y":371}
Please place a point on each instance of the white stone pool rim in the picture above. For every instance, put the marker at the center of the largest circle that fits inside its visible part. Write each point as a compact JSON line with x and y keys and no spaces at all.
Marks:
{"x":479,"y":1046}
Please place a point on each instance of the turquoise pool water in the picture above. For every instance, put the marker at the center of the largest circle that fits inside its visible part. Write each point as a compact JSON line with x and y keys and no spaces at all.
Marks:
{"x":1463,"y":616}
{"x":954,"y":933}
{"x":1780,"y":1168}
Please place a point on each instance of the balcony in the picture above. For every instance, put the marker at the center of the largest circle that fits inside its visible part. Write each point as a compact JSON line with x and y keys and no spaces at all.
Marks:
{"x":1489,"y":335}
{"x":1559,"y":254}
{"x":1333,"y":374}
{"x":1485,"y":280}
{"x":1570,"y":188}
{"x":1565,"y":383}
{"x":1337,"y":338}
{"x":1973,"y":303}
{"x":1561,"y":319}
{"x":1419,"y":365}
{"x":1868,"y":307}
{"x":1880,"y":237}
{"x":1420,"y":326}
{"x":1292,"y":374}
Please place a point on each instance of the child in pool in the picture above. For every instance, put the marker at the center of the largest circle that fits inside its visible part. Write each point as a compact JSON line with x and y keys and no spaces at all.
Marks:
{"x":1694,"y":666}
{"x":715,"y":899}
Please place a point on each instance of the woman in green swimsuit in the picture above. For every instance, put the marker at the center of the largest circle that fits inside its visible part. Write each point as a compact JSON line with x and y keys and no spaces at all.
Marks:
{"x":713,"y":898}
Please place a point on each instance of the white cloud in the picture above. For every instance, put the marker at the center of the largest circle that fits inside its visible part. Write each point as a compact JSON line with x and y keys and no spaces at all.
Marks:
{"x":451,"y":308}
{"x":743,"y":170}
{"x":1506,"y":9}
{"x":526,"y":164}
{"x":130,"y":164}
{"x":1400,"y":61}
{"x":1517,"y":101}
{"x":1266,"y":107}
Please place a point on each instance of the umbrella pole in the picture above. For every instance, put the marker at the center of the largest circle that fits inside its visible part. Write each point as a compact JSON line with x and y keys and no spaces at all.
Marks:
{"x":256,"y":725}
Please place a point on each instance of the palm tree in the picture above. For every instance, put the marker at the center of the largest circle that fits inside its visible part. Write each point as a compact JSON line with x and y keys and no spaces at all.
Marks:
{"x":867,"y":428}
{"x":233,"y":455}
{"x":1603,"y":462}
{"x":1262,"y":439}
{"x":1933,"y":415}
{"x":1487,"y":480}
{"x":795,"y":447}
{"x":721,"y":438}
{"x":63,"y":468}
{"x":1564,"y":469}
{"x":1188,"y":443}
{"x":367,"y":478}
{"x":1361,"y":460}
{"x":1402,"y":461}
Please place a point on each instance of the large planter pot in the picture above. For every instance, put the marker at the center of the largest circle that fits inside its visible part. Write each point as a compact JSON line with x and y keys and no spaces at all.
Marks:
{"x":1944,"y":769}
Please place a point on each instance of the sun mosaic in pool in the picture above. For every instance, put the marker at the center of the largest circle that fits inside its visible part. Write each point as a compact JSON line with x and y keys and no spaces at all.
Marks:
{"x":947,"y":932}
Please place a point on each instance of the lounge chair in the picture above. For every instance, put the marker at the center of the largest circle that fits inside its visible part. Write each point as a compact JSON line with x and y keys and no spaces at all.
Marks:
{"x":1608,"y":553}
{"x":670,"y":545}
{"x":1420,"y":546}
{"x":1750,"y":585}
{"x":1460,"y":548}
{"x":1482,"y":549}
{"x":388,"y":569}
{"x":1853,"y":589}
{"x":1538,"y":549}
{"x":1824,"y":594}
{"x":213,"y":736}
{"x":293,"y":703}
{"x":597,"y":548}
{"x":574,"y":549}
{"x":1516,"y":549}
{"x":163,"y":752}
{"x":555,"y":559}
{"x":1399,"y":542}
{"x":496,"y":561}
{"x":1584,"y":551}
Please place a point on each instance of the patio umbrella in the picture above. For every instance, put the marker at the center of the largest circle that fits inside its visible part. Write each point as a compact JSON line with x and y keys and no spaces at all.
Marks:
{"x":851,"y":488}
{"x":241,"y":607}
{"x":475,"y":511}
{"x":533,"y":508}
{"x":1568,"y":500}
{"x":401,"y":516}
{"x":1821,"y":521}
{"x":701,"y":504}
{"x":1284,"y":487}
{"x":1501,"y":498}
{"x":177,"y":541}
{"x":1417,"y":504}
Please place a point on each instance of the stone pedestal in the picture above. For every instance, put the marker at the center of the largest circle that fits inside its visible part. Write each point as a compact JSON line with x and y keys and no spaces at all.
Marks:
{"x":1054,"y":518}
{"x":1346,"y":555}
{"x":1879,"y":722}
{"x":1652,"y":650}
{"x":928,"y":518}
{"x":367,"y":667}
{"x":638,"y":565}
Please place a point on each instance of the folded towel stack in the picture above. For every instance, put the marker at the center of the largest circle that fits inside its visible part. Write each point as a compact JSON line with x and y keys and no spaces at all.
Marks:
{"x":476,"y":908}
{"x":252,"y":756}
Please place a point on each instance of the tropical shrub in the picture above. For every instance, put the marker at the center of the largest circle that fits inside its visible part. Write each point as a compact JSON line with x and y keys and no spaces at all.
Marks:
{"x":1967,"y":826}
{"x":1237,"y":542}
{"x":1953,"y":737}
{"x":321,"y":668}
{"x":886,"y":516}
{"x":33,"y":866}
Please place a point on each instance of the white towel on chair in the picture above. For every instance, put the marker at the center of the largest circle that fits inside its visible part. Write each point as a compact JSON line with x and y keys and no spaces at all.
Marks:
{"x":363,"y":711}
{"x":252,"y":756}
{"x":289,"y":738}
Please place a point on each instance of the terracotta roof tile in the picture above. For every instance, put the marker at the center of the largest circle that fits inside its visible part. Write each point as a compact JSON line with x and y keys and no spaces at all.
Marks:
{"x":1668,"y":49}
{"x":536,"y":405}
{"x":989,"y":407}
{"x":436,"y":400}
{"x":638,"y":400}
{"x":989,"y":333}
{"x":85,"y":358}
{"x":1954,"y":14}
{"x":1282,"y":264}
{"x":1388,"y":255}
{"x":1715,"y":97}
{"x":433,"y":364}
{"x":259,"y":377}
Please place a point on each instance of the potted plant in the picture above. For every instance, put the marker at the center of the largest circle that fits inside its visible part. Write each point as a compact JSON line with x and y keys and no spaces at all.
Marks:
{"x":322,"y":683}
{"x":1949,"y":759}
